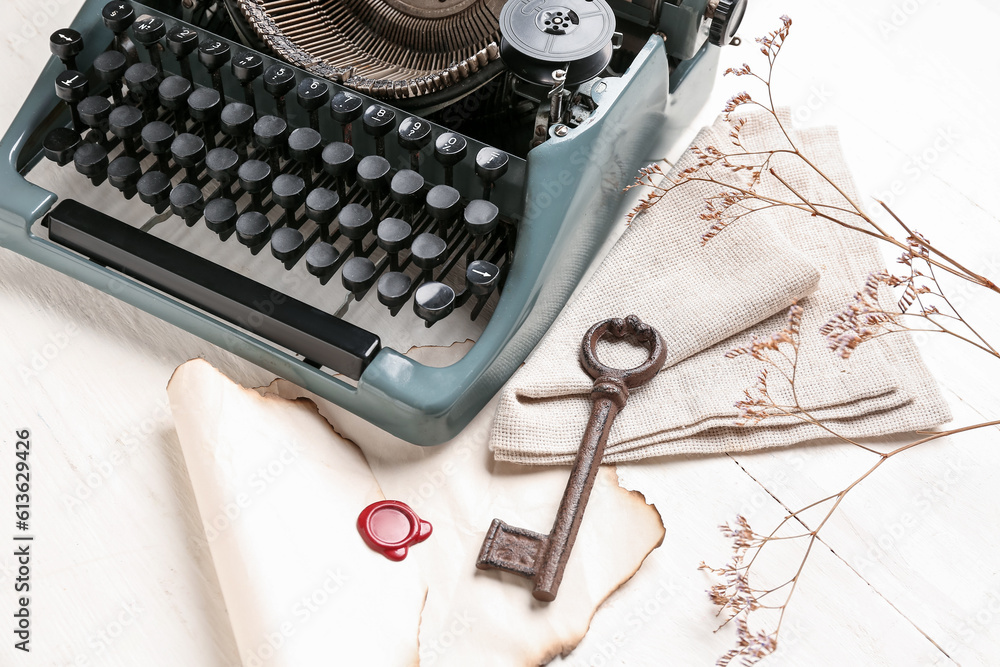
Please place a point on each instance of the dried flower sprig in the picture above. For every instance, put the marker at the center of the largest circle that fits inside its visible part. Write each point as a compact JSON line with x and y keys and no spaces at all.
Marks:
{"x":922,"y":305}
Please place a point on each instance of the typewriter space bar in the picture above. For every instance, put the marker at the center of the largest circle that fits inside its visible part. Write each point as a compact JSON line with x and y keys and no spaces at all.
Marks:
{"x":318,"y":336}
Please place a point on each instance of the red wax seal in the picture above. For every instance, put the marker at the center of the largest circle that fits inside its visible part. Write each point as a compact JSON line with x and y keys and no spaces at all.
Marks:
{"x":391,"y":528}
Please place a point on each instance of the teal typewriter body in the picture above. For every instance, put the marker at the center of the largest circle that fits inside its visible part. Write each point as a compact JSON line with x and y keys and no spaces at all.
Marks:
{"x":412,"y":225}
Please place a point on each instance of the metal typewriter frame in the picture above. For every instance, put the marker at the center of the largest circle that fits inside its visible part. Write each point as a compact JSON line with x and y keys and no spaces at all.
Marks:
{"x":573,"y":189}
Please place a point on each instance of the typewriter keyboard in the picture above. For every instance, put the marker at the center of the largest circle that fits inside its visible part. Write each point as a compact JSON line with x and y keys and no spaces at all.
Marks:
{"x":225,"y":160}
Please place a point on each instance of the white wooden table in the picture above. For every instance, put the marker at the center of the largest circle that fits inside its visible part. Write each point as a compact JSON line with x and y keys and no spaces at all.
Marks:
{"x":907,"y":573}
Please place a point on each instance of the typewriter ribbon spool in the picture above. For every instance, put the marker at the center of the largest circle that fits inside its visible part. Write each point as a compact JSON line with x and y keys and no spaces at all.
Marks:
{"x":541,"y":36}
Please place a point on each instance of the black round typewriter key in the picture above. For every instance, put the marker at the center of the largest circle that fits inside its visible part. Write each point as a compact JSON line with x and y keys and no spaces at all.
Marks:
{"x":92,"y":161}
{"x":491,"y":165}
{"x":338,"y":161}
{"x":305,"y":146}
{"x":288,"y":192}
{"x":149,"y":30}
{"x":126,"y":124}
{"x":221,"y":214}
{"x":358,"y":275}
{"x":355,"y":223}
{"x":394,"y":289}
{"x":253,"y":228}
{"x":481,"y":217}
{"x":72,"y":86}
{"x":237,"y":121}
{"x":270,"y":132}
{"x":110,"y":67}
{"x":142,"y":78}
{"x":221,"y":164}
{"x":279,"y":80}
{"x":433,"y":301}
{"x":313,"y":94}
{"x":118,"y":16}
{"x":66,"y":44}
{"x":321,"y":258}
{"x":394,"y":235}
{"x":379,"y":121}
{"x":443,"y":203}
{"x":187,"y":202}
{"x":189,"y":152}
{"x":429,"y":251}
{"x":322,"y":206}
{"x":182,"y":41}
{"x":345,"y":108}
{"x":286,"y":244}
{"x":157,"y":138}
{"x":254,"y":176}
{"x":205,"y":106}
{"x":154,"y":189}
{"x":373,"y":174}
{"x":124,"y":173}
{"x":481,"y":277}
{"x":60,"y":144}
{"x":214,"y":54}
{"x":449,"y":150}
{"x":414,"y":134}
{"x":247,"y":67}
{"x":407,"y":190}
{"x":94,"y":112}
{"x":174,"y":92}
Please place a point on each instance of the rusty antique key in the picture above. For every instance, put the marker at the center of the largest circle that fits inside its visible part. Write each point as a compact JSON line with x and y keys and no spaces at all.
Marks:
{"x":543,"y":557}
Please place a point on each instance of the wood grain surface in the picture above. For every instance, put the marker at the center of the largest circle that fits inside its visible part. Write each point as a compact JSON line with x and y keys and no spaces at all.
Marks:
{"x":907,"y":572}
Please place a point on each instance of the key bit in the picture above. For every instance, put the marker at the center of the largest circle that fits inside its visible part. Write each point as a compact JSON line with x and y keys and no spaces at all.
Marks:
{"x":543,"y":558}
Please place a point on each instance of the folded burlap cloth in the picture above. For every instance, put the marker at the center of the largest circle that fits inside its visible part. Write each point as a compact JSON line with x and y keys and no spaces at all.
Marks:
{"x":708,"y":299}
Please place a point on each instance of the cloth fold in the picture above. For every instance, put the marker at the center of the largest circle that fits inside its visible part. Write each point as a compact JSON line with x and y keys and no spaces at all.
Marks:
{"x":708,"y":299}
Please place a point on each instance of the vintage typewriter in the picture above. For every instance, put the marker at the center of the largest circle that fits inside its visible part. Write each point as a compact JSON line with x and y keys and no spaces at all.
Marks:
{"x":318,"y":185}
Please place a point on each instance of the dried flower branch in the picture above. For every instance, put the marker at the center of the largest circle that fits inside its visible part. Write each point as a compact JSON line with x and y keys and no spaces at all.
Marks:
{"x":921,"y":305}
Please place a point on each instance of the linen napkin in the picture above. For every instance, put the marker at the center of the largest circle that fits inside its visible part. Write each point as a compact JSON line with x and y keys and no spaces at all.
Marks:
{"x":707,"y":299}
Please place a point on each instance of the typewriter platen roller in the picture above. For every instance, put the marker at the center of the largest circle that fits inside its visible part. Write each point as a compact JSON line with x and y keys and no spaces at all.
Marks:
{"x":295,"y":180}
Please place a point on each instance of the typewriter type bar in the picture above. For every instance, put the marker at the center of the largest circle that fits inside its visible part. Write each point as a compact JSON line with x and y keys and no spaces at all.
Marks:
{"x":321,"y":338}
